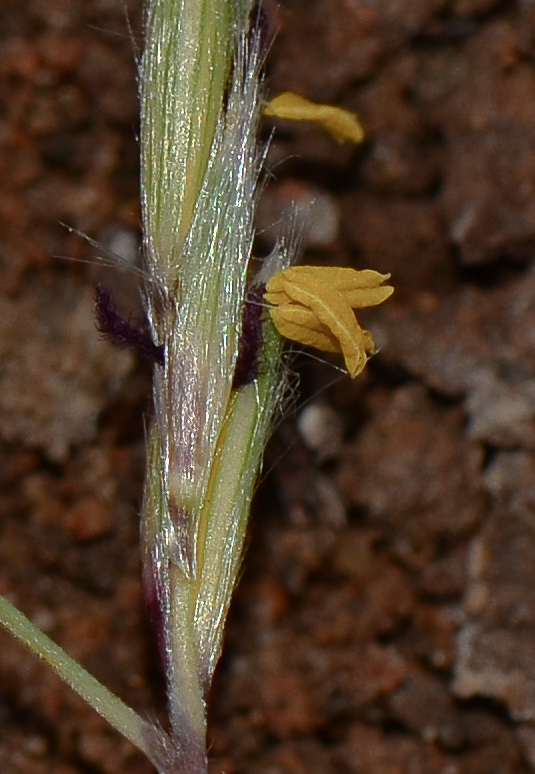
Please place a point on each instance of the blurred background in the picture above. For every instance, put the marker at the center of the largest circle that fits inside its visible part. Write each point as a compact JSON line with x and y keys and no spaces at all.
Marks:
{"x":385,"y":621}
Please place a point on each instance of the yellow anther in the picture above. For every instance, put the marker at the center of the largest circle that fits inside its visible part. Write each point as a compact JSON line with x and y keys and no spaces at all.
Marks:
{"x":314,"y":306}
{"x":340,"y":124}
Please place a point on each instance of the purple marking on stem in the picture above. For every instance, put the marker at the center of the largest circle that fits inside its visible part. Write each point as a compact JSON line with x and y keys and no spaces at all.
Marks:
{"x":153,"y":608}
{"x":183,"y":553}
{"x":251,"y":338}
{"x":121,"y":332}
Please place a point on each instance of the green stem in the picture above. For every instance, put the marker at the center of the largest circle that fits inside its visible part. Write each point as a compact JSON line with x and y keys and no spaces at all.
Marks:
{"x":140,"y":732}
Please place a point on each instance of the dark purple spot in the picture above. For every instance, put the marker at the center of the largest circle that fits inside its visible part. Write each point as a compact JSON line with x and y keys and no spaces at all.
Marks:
{"x":183,"y":549}
{"x":121,"y":332}
{"x":260,"y":25}
{"x":251,"y":338}
{"x":153,"y":608}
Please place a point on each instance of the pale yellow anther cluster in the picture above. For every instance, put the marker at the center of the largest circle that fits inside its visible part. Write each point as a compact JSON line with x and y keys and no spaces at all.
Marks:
{"x":314,"y":306}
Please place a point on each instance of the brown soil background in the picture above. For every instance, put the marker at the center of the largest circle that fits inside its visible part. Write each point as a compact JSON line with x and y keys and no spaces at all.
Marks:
{"x":385,"y":621}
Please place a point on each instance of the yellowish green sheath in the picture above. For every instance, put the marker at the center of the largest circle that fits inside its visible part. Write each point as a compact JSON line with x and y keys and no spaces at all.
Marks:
{"x":198,"y":138}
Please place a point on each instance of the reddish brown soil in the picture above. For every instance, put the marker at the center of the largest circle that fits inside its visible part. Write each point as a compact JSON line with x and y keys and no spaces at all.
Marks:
{"x":385,"y":622}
